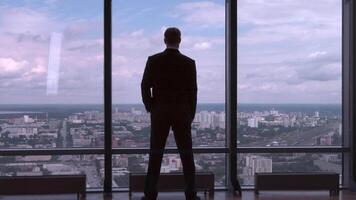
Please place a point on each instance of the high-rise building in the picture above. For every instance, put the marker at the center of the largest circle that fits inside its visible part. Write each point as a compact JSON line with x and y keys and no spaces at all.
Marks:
{"x":258,"y":164}
{"x":316,"y":114}
{"x":252,"y":122}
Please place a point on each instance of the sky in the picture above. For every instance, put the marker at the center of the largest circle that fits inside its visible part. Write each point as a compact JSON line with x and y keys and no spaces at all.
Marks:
{"x":288,"y":51}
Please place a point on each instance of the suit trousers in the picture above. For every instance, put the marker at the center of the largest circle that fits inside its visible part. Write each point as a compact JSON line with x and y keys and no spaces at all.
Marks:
{"x":164,"y":117}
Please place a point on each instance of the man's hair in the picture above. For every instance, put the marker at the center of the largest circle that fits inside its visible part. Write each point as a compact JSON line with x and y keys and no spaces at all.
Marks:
{"x":172,"y":35}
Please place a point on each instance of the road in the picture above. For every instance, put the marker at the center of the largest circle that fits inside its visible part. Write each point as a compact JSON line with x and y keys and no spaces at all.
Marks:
{"x":297,"y":137}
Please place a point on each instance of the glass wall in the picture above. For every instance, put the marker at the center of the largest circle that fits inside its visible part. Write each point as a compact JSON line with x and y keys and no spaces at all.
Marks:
{"x":137,"y":163}
{"x":90,"y":165}
{"x":289,"y":73}
{"x":249,"y":164}
{"x":51,"y":71}
{"x":138,"y":28}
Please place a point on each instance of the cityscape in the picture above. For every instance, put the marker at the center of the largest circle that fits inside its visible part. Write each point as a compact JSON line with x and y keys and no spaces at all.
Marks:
{"x":82,"y":126}
{"x":289,"y":53}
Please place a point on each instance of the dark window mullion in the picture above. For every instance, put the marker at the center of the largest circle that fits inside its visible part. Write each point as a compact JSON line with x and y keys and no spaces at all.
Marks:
{"x":108,"y":95}
{"x":231,"y":87}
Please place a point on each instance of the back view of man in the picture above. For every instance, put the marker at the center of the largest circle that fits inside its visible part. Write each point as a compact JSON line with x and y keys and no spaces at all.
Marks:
{"x":169,"y":92}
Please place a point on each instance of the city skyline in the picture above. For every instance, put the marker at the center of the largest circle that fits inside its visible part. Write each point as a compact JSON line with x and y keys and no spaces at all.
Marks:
{"x":65,"y":126}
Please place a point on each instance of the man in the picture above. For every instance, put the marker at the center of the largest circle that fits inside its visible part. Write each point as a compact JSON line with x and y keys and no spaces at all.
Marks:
{"x":169,"y":92}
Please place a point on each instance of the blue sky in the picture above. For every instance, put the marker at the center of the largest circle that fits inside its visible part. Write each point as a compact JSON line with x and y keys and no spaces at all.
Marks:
{"x":289,"y":51}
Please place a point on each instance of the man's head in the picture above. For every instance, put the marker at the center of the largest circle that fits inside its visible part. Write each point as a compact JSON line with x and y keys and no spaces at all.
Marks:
{"x":172,"y":37}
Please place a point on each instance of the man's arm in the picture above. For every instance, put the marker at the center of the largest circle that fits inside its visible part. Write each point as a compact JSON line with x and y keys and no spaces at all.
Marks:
{"x":146,"y":85}
{"x":193,"y":88}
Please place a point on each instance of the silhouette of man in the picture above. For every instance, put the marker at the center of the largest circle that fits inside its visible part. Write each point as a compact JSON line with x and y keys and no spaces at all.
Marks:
{"x":169,"y":92}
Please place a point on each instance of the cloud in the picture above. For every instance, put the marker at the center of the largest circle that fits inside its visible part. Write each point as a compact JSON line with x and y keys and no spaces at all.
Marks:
{"x":276,"y":12}
{"x":83,"y":45}
{"x":22,"y":20}
{"x":9,"y":66}
{"x":204,"y":14}
{"x":129,"y":63}
{"x":41,"y":67}
{"x":193,"y":43}
{"x":289,"y":51}
{"x":50,"y":2}
{"x":28,"y":37}
{"x":79,"y":28}
{"x":322,"y":73}
{"x":271,"y":21}
{"x":24,"y":64}
{"x":81,"y":74}
{"x":120,"y":60}
{"x":317,"y":54}
{"x":202,"y":45}
{"x":137,"y":33}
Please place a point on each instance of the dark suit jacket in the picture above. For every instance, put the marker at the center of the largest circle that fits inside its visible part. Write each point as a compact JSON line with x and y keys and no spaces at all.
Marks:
{"x":169,"y":79}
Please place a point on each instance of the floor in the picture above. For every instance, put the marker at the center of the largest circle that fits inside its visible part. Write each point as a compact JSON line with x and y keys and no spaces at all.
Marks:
{"x":246,"y":195}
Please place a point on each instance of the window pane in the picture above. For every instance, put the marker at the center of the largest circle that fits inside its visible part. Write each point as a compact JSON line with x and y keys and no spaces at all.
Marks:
{"x":249,"y":164}
{"x":90,"y":165}
{"x":51,"y":72}
{"x":138,"y":28}
{"x":289,"y":72}
{"x":125,"y":164}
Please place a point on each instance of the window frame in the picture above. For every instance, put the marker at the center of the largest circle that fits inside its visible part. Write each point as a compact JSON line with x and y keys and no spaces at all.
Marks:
{"x":231,"y":150}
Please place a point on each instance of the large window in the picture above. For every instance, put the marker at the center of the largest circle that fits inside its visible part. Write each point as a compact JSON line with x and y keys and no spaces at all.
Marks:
{"x":289,"y":73}
{"x":51,"y":71}
{"x":138,"y":28}
{"x":250,"y":164}
{"x":289,"y":85}
{"x":55,"y":110}
{"x":124,"y":164}
{"x":90,"y":165}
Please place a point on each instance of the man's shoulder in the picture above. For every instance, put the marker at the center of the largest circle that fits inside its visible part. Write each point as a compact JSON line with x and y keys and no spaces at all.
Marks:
{"x":155,"y":55}
{"x":187,"y":58}
{"x":161,"y":55}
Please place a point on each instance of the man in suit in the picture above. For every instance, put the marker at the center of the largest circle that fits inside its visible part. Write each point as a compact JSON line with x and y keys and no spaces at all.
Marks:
{"x":169,"y":92}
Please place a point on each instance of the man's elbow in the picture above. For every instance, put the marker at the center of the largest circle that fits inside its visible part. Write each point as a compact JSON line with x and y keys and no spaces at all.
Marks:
{"x":143,"y":85}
